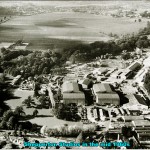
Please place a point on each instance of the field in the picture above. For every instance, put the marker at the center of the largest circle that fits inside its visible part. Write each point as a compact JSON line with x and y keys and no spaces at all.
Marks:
{"x":44,"y":117}
{"x":43,"y":31}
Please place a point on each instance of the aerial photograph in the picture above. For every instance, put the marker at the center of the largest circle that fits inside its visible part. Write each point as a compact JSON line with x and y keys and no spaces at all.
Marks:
{"x":75,"y":74}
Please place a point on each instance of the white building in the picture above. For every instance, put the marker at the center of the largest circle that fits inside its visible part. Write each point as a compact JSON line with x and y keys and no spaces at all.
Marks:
{"x":139,"y":78}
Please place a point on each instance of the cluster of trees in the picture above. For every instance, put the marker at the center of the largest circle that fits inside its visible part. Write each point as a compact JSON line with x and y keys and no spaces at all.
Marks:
{"x":36,"y":63}
{"x":66,"y":112}
{"x":10,"y":118}
{"x":145,"y":14}
{"x":6,"y":11}
{"x":71,"y":131}
{"x":29,"y":102}
{"x":43,"y":100}
{"x":147,"y":82}
{"x":5,"y":93}
{"x":9,"y":55}
{"x":85,"y":52}
{"x":11,"y":121}
{"x":146,"y":30}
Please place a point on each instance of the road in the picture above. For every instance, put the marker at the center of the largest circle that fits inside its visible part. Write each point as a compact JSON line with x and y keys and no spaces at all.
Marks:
{"x":51,"y":95}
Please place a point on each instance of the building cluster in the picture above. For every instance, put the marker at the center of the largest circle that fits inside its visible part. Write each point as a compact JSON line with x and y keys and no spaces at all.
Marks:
{"x":103,"y":93}
{"x":119,"y":100}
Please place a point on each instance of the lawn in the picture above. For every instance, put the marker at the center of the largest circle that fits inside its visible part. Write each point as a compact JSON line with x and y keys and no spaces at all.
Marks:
{"x":45,"y":115}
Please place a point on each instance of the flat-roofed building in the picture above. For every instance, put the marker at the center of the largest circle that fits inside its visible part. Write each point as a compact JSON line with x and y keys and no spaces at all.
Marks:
{"x":141,"y":123}
{"x":105,"y":95}
{"x":135,"y":65}
{"x":72,"y":94}
{"x":132,"y":118}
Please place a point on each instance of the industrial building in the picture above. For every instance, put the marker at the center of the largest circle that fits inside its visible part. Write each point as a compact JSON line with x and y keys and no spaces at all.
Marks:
{"x":141,"y":123}
{"x":105,"y":95}
{"x":72,"y":94}
{"x":135,"y":65}
{"x":126,"y":73}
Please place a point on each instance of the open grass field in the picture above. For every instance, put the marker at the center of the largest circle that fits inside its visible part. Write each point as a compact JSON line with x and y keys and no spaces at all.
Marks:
{"x":67,"y":28}
{"x":45,"y":115}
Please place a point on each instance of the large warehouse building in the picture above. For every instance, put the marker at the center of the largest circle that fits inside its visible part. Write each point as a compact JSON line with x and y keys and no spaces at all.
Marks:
{"x":72,"y":94}
{"x":105,"y":95}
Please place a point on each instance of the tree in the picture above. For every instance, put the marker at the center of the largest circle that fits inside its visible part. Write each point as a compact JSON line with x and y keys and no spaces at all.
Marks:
{"x":5,"y":91}
{"x":25,"y":131}
{"x":42,"y":100}
{"x":11,"y":122}
{"x":36,"y":88}
{"x":140,"y":20}
{"x":3,"y":50}
{"x":68,"y":112}
{"x":7,"y":115}
{"x":28,"y":101}
{"x":15,"y":132}
{"x":35,"y":112}
{"x":19,"y":111}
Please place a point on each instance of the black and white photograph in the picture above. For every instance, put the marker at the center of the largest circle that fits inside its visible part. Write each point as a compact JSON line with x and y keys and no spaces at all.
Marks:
{"x":75,"y":74}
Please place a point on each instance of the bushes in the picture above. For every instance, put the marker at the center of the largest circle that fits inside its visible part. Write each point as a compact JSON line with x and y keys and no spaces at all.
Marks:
{"x":70,"y":131}
{"x":147,"y":82}
{"x":66,"y":112}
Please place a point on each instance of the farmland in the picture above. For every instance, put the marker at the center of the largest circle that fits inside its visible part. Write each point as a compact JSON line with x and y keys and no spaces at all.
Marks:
{"x":63,"y":29}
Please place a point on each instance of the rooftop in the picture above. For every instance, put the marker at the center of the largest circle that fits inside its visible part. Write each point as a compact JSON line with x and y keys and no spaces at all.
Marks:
{"x":108,"y":96}
{"x":70,"y":87}
{"x":130,"y":118}
{"x":134,"y":65}
{"x":102,"y":88}
{"x":73,"y":96}
{"x":141,"y":123}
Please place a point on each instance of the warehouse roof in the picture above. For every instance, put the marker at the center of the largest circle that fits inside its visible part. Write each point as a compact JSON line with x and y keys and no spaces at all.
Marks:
{"x":130,"y":118}
{"x":70,"y":87}
{"x":108,"y":96}
{"x":141,"y":123}
{"x":73,"y":96}
{"x":102,"y":88}
{"x":134,"y":65}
